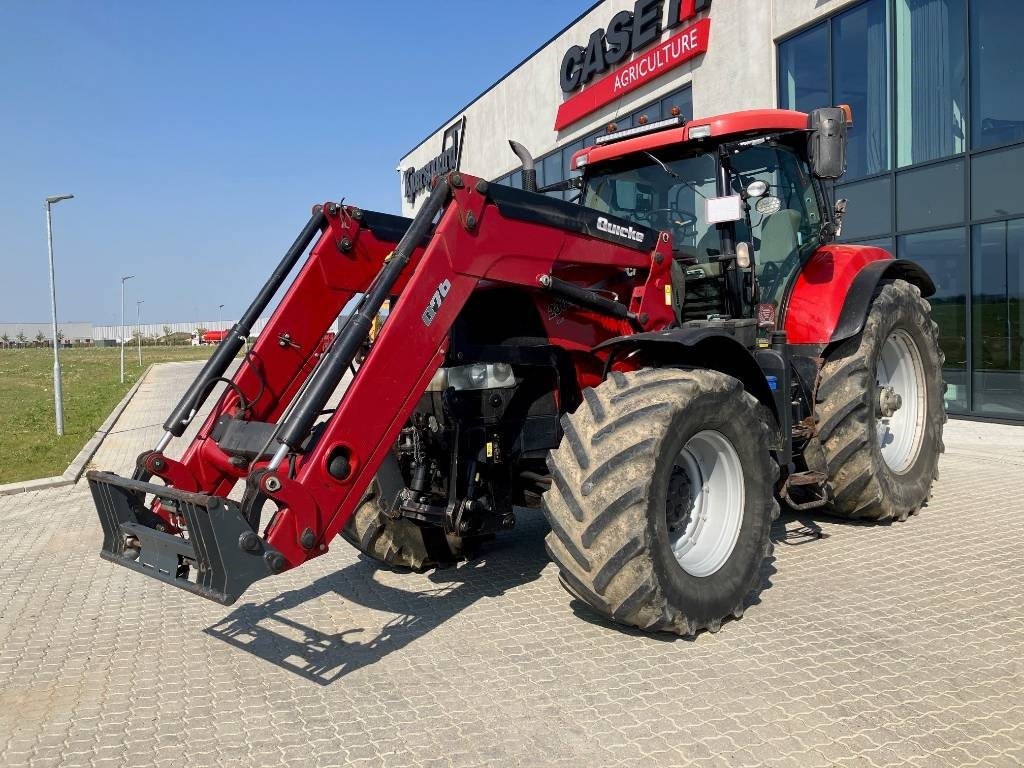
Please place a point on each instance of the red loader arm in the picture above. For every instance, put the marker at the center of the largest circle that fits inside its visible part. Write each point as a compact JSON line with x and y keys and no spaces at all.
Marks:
{"x":283,"y":385}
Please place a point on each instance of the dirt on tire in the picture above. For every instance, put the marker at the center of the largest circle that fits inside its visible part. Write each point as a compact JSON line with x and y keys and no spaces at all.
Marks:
{"x":860,"y":485}
{"x":607,"y":505}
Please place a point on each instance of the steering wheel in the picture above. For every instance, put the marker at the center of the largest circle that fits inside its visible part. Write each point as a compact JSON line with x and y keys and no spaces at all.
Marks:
{"x":673,"y":219}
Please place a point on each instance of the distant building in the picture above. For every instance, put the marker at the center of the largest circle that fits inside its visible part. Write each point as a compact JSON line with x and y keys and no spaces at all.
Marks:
{"x":73,"y":333}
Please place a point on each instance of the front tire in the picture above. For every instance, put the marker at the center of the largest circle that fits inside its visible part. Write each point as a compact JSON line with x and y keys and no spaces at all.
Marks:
{"x":880,"y":411}
{"x":662,"y":499}
{"x":397,"y":543}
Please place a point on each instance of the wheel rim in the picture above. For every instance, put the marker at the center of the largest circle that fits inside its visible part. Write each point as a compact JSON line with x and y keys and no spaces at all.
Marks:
{"x":706,"y":512}
{"x":900,"y":372}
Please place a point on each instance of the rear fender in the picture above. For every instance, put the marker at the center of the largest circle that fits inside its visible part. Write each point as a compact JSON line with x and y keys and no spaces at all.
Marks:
{"x":862,"y":292}
{"x":832,"y":295}
{"x":698,"y":348}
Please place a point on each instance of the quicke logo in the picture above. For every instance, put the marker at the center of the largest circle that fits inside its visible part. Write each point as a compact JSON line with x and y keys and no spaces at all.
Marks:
{"x":626,"y":233}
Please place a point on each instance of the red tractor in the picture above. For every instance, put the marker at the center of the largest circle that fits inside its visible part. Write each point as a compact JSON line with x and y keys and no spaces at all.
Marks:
{"x":655,"y":365}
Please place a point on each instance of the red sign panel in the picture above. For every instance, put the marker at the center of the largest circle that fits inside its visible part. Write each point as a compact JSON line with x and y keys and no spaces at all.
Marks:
{"x":665,"y":56}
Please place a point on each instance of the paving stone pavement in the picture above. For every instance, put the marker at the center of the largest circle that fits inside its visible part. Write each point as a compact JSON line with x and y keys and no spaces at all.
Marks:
{"x":873,"y":645}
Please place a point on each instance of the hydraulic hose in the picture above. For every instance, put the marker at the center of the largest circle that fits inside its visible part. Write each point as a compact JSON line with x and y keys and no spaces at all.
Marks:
{"x":346,"y":344}
{"x":226,"y":351}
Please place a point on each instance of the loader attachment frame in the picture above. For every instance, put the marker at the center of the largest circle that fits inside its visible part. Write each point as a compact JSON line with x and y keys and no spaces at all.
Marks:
{"x":482,"y":233}
{"x":219,"y":560}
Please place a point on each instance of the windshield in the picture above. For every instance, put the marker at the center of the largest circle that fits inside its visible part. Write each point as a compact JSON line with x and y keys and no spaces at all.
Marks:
{"x":668,"y":200}
{"x":669,"y":191}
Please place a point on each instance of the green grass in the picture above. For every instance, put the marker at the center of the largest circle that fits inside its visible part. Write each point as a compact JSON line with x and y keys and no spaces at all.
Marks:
{"x":29,"y":446}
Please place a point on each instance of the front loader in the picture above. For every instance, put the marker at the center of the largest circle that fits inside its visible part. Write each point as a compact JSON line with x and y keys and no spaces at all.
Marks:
{"x":654,"y":365}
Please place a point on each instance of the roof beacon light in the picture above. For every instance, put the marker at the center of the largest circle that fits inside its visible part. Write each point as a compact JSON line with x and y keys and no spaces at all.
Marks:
{"x":700,"y":131}
{"x":640,"y":130}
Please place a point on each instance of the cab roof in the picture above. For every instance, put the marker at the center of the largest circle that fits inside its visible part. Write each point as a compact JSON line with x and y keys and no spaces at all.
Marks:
{"x":732,"y":123}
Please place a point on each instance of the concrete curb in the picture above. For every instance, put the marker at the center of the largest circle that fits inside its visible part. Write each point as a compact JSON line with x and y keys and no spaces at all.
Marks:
{"x":78,"y":464}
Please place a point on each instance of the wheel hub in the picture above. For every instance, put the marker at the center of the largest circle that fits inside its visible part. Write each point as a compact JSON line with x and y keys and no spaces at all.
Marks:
{"x":888,"y":401}
{"x":901,"y":403}
{"x":705,"y":503}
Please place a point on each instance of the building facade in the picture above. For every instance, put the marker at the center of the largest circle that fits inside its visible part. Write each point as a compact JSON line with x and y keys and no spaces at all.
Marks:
{"x":936,"y":153}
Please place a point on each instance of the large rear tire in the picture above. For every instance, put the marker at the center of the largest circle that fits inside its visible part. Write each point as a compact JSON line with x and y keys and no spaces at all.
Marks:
{"x":880,"y":410}
{"x":662,"y":499}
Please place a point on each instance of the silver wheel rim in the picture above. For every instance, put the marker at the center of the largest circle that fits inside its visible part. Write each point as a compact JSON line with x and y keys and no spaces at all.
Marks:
{"x":703,"y":540}
{"x":900,"y":435}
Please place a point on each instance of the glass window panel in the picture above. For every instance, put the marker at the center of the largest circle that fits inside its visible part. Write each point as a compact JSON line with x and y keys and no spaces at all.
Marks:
{"x":516,"y":180}
{"x":682,"y":99}
{"x":554,"y":171}
{"x":860,"y":78}
{"x":652,"y":112}
{"x":931,"y":79}
{"x":995,"y":183}
{"x":782,"y":240}
{"x":567,"y":154}
{"x":997,"y":315}
{"x":868,"y":208}
{"x":997,"y":68}
{"x":943,"y":254}
{"x":932,"y":196}
{"x":572,"y":195}
{"x":803,"y":70}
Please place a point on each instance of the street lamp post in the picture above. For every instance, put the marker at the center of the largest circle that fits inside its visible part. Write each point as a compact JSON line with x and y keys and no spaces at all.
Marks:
{"x":58,"y":395}
{"x":123,"y":279}
{"x":220,"y":317}
{"x":138,"y":322}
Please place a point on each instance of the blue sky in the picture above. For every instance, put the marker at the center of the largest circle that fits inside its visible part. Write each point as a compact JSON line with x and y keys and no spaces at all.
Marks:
{"x":196,"y":135}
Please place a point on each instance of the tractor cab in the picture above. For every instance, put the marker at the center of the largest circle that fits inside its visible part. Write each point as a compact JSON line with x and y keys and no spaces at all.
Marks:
{"x":741,"y":196}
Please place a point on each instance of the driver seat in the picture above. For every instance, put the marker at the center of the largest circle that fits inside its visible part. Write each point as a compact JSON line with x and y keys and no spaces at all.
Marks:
{"x":779,"y":238}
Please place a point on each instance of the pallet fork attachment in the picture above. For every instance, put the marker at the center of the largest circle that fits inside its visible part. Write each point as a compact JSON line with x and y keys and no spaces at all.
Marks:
{"x":221,"y":557}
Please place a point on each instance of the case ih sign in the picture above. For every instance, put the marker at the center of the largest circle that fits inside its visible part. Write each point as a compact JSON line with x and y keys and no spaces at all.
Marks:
{"x":627,"y":33}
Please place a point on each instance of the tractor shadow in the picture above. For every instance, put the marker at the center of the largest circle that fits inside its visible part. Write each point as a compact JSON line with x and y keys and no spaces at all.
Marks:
{"x":270,"y":631}
{"x":791,"y":529}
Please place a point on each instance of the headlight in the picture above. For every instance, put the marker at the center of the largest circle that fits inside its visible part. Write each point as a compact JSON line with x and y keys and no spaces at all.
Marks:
{"x":475,"y":376}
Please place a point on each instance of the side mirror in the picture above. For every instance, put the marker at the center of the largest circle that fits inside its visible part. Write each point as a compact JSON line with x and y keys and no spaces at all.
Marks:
{"x":826,"y":145}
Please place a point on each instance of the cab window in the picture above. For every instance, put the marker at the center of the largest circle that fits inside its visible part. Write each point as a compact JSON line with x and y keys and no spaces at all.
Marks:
{"x":784,"y":221}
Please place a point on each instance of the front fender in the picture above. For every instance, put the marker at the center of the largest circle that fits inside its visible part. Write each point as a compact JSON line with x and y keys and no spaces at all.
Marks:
{"x":833,"y":292}
{"x":700,"y":347}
